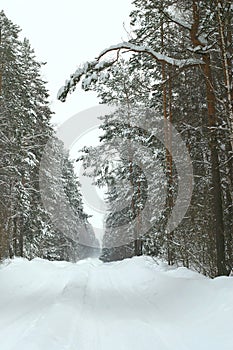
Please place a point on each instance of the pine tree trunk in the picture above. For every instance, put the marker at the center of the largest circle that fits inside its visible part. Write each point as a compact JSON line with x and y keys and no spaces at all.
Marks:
{"x":138,"y":247}
{"x":216,"y":180}
{"x":167,"y":136}
{"x":217,"y":207}
{"x":21,"y":238}
{"x":1,"y":67}
{"x":225,"y":35}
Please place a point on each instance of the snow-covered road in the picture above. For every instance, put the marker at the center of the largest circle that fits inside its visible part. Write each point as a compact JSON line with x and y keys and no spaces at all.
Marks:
{"x":130,"y":305}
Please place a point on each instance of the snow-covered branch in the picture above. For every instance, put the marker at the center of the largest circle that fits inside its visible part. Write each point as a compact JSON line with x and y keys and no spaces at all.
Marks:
{"x":200,"y":37}
{"x":180,"y":63}
{"x":177,"y":20}
{"x":90,"y":70}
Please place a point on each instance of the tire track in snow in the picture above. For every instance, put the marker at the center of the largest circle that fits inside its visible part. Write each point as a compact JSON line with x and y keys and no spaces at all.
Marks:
{"x":48,"y":317}
{"x":83,"y":334}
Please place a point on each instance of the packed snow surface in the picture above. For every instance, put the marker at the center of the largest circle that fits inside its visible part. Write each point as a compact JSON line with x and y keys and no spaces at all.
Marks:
{"x":135,"y":304}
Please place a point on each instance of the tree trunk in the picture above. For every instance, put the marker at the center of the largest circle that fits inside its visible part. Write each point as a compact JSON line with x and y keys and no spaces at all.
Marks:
{"x":138,"y":247}
{"x":217,"y":207}
{"x":225,"y":36}
{"x":216,"y":180}
{"x":167,"y":115}
{"x":1,"y":66}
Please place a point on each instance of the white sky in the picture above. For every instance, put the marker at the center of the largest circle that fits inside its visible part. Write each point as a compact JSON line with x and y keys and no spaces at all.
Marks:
{"x":65,"y":34}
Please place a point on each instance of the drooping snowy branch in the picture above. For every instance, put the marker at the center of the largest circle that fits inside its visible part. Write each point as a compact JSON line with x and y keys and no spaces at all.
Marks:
{"x":91,"y":70}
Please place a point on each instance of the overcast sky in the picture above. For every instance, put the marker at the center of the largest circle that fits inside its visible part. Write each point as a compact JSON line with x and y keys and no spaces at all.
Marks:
{"x":65,"y":34}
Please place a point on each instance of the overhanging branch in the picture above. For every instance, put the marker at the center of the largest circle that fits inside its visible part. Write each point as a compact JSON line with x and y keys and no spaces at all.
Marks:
{"x":90,"y":71}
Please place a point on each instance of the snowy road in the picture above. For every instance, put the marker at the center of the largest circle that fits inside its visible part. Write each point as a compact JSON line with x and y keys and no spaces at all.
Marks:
{"x":129,"y":305}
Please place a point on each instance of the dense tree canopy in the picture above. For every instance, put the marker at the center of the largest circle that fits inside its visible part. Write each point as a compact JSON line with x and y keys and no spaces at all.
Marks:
{"x":25,"y":226}
{"x":178,"y":61}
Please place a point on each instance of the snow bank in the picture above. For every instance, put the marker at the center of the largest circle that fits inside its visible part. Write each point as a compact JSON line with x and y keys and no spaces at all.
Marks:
{"x":134,"y":304}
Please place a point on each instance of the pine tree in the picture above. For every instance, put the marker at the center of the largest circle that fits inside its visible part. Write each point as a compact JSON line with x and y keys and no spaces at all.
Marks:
{"x":182,"y":50}
{"x":25,"y":226}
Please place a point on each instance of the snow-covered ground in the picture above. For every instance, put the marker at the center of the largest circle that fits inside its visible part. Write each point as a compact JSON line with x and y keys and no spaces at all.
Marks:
{"x":130,"y":305}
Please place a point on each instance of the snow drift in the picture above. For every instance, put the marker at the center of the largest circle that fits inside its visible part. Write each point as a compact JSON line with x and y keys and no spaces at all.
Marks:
{"x":135,"y":304}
